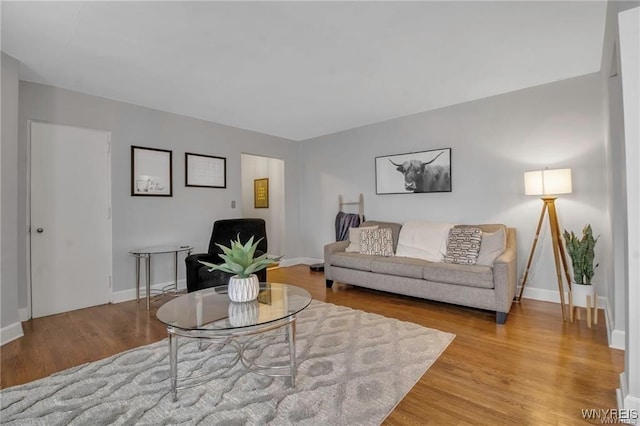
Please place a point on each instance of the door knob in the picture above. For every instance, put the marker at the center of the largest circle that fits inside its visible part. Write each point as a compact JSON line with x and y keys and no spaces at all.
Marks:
{"x":39,"y":230}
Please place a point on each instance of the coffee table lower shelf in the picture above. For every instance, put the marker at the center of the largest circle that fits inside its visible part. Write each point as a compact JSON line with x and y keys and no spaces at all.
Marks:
{"x":233,"y":338}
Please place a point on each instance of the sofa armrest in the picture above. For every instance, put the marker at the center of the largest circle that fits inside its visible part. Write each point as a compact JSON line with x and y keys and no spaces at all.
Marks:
{"x":505,"y":273}
{"x":329,"y":249}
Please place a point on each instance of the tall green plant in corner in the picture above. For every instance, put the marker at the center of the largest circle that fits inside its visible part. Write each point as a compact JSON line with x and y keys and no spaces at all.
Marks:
{"x":582,"y":254}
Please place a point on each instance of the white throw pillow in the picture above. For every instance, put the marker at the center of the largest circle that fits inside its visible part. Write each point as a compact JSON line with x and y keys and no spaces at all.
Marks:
{"x":492,"y":246}
{"x":423,"y":240}
{"x":354,"y":238}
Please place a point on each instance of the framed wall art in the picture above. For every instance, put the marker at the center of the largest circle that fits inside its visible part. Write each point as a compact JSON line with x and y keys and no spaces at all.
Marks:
{"x":414,"y":172}
{"x":261,"y":193}
{"x":151,"y":171}
{"x":205,"y":171}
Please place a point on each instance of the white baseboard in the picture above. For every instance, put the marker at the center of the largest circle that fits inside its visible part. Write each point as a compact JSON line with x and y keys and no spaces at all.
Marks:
{"x":624,"y":400}
{"x":545,"y":295}
{"x":616,"y":337}
{"x":621,"y":391}
{"x":24,"y":314}
{"x":299,"y":261}
{"x":617,"y":340}
{"x":130,"y":294}
{"x":10,"y":333}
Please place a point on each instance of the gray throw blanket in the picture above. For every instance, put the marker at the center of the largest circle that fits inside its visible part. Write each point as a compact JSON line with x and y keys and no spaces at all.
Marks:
{"x":344,"y":221}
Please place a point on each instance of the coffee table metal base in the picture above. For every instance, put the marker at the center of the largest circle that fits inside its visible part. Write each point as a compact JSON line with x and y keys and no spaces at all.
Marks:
{"x":229,"y":336}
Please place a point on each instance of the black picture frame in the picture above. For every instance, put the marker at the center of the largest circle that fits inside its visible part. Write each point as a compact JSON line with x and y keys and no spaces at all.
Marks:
{"x":204,"y":171}
{"x":414,"y":172}
{"x":151,"y":172}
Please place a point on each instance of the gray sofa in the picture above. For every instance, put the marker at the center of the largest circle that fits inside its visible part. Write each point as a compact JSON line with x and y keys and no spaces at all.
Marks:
{"x":483,"y":287}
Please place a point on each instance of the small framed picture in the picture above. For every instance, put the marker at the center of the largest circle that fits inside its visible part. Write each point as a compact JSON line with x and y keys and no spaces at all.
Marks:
{"x":261,"y":193}
{"x":151,"y":171}
{"x":205,"y":171}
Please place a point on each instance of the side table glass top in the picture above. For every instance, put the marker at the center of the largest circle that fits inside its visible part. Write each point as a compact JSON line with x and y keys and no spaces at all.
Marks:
{"x":167,"y":248}
{"x":211,"y":309}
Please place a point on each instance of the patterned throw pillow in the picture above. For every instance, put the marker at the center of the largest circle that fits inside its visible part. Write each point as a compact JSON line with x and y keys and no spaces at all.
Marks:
{"x":463,"y":246}
{"x":377,"y":242}
{"x":354,"y":238}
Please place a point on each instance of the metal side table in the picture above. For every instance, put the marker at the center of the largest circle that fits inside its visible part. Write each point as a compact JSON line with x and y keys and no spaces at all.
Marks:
{"x":146,"y":253}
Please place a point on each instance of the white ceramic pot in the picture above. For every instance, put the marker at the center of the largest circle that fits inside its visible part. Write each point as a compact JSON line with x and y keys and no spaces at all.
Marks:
{"x":242,"y":314}
{"x":579,"y":293}
{"x":243,"y":289}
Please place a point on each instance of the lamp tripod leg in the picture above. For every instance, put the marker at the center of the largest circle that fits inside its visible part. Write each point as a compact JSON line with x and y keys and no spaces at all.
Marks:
{"x":533,"y":249}
{"x":557,"y":250}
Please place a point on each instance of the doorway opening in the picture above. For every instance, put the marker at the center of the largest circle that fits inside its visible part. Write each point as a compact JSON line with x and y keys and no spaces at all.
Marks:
{"x":269,"y":205}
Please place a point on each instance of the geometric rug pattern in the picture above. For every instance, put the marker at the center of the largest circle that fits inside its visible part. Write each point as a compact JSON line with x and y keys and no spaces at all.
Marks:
{"x":353,"y":369}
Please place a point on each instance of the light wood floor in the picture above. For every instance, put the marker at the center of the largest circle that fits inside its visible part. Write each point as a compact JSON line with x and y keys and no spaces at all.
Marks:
{"x":534,"y":370}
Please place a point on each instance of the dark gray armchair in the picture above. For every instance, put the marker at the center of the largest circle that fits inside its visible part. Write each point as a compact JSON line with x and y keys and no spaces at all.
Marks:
{"x":198,"y":275}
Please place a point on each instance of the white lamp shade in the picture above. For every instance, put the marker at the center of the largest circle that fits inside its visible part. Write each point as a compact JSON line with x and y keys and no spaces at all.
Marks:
{"x":548,"y":182}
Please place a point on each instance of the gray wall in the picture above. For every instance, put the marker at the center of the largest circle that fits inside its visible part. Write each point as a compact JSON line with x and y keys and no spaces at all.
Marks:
{"x":9,"y":203}
{"x":617,"y":189}
{"x":493,"y":140}
{"x":186,"y":217}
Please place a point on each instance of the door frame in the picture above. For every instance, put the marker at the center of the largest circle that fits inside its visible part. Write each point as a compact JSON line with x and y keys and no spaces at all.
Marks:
{"x":283,"y":235}
{"x":28,"y":314}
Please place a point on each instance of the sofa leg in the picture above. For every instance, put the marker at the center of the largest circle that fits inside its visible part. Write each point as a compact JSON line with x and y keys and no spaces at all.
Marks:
{"x":329,"y":283}
{"x":501,"y":317}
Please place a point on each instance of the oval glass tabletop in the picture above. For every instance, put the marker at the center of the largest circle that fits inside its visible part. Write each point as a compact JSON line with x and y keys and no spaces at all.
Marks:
{"x":211,"y":309}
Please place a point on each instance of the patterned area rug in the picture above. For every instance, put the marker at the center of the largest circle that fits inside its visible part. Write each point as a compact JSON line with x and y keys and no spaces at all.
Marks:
{"x":353,"y":369}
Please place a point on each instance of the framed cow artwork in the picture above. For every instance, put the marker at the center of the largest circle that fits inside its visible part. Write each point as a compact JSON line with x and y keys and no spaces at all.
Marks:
{"x":414,"y":172}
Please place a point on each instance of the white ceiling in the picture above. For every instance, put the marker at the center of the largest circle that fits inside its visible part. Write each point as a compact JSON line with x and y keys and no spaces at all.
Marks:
{"x":301,"y":69}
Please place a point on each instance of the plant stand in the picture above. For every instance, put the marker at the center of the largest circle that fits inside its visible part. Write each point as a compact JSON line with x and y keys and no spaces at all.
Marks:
{"x":583,"y":296}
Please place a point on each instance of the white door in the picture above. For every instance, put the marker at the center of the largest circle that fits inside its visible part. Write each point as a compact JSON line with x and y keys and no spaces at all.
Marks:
{"x":70,"y":218}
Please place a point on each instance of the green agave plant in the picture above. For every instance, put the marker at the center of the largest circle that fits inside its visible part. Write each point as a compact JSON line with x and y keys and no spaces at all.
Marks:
{"x":582,"y":254}
{"x":238,"y":259}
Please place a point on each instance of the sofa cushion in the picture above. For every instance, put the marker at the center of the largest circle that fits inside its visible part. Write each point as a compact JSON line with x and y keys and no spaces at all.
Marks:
{"x":376,"y":242}
{"x":463,"y":246}
{"x":354,"y":238}
{"x":467,"y":275}
{"x":423,"y":240}
{"x":358,"y":261}
{"x":399,"y":266}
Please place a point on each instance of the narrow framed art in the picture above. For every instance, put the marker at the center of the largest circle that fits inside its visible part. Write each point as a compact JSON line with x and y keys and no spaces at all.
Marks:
{"x":205,"y":171}
{"x":414,"y":172}
{"x":261,"y":193}
{"x":151,"y":172}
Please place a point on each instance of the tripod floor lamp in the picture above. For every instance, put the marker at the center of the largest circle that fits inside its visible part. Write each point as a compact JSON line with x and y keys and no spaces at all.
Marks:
{"x":549,"y":183}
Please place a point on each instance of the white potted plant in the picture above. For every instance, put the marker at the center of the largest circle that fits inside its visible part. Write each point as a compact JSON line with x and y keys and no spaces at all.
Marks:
{"x":238,"y":260}
{"x":582,"y":255}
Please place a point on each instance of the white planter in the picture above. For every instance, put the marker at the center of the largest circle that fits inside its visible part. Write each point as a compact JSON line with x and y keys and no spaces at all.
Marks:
{"x":243,"y":289}
{"x":242,"y":314}
{"x":579,"y":293}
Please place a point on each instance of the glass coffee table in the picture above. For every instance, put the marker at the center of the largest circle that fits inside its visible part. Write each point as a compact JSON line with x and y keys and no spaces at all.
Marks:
{"x":209,"y":314}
